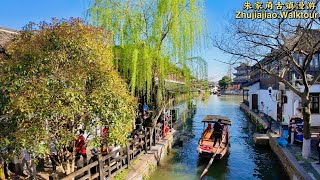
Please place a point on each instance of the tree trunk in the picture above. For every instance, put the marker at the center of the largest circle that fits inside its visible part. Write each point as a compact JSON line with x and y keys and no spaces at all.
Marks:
{"x":68,"y":170}
{"x":306,"y":147}
{"x":154,"y":91}
{"x":72,"y":163}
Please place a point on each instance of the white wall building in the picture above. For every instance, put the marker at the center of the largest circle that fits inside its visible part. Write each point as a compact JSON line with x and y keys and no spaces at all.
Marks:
{"x":256,"y":95}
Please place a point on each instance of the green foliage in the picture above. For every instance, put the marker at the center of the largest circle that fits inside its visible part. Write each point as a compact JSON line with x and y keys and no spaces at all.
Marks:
{"x":57,"y":78}
{"x":122,"y":174}
{"x":224,"y":82}
{"x":260,"y":128}
{"x":153,"y":38}
{"x":298,"y":157}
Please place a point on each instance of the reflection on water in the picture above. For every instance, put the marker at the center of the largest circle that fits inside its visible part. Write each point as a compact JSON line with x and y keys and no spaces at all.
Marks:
{"x":244,"y":161}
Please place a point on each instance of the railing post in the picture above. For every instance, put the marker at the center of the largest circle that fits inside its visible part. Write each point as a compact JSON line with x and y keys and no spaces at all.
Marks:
{"x":128,"y":155}
{"x":53,"y":176}
{"x":161,"y":130}
{"x":100,"y":166}
{"x":170,"y":123}
{"x":145,"y":140}
{"x":155,"y":135}
{"x":151,"y":136}
{"x":89,"y":173}
{"x":109,"y":168}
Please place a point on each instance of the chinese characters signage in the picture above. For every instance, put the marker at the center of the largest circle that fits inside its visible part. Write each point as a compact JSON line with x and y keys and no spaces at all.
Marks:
{"x":273,"y":10}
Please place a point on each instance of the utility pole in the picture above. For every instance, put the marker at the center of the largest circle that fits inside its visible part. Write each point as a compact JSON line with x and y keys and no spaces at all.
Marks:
{"x":230,"y":71}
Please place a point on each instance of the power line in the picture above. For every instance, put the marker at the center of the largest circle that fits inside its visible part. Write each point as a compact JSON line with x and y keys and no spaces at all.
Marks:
{"x":225,"y":62}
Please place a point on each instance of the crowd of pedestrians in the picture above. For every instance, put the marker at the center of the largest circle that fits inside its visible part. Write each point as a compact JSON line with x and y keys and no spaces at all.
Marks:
{"x":24,"y":165}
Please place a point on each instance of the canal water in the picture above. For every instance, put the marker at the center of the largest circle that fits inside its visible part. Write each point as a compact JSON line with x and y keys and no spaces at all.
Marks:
{"x":244,"y":161}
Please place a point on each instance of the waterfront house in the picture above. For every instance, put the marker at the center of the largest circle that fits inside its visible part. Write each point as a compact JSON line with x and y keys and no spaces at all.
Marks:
{"x":263,"y":93}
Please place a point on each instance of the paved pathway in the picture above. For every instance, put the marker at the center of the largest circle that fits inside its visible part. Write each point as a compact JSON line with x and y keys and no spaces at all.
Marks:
{"x":310,"y":164}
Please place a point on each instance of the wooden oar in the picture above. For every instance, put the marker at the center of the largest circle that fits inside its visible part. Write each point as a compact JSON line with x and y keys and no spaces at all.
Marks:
{"x":212,"y":158}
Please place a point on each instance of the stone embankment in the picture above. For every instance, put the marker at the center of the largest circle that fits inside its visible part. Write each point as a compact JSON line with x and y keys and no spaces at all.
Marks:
{"x":147,"y":163}
{"x":289,"y":162}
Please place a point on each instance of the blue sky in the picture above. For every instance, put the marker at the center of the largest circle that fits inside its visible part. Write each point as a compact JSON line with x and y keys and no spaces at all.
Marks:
{"x":15,"y":14}
{"x":218,"y":14}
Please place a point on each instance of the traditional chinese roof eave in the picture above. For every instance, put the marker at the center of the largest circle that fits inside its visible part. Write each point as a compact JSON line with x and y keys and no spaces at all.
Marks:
{"x":239,"y":74}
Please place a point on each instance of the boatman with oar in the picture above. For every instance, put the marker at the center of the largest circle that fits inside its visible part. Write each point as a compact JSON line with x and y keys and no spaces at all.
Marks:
{"x":217,"y":132}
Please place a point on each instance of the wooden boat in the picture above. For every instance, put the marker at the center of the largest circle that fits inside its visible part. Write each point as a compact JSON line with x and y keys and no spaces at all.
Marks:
{"x":205,"y":145}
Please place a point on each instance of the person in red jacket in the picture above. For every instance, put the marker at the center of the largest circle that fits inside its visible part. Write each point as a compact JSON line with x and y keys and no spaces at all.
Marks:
{"x":81,"y":150}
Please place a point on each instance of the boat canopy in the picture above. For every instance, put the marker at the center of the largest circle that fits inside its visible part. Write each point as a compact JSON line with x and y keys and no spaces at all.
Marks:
{"x":215,"y":118}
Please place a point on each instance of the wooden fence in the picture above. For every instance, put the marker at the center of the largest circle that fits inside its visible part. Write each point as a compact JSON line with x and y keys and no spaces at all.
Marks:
{"x":113,"y":163}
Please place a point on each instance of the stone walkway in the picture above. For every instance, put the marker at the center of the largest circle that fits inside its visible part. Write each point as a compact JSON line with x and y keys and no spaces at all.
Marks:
{"x":144,"y":166}
{"x":310,"y":164}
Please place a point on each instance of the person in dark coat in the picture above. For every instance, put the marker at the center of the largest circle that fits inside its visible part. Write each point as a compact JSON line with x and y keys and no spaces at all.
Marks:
{"x":217,"y":132}
{"x":139,"y":122}
{"x":94,"y":158}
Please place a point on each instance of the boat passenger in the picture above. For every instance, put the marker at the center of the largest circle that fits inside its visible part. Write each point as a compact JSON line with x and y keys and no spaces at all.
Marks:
{"x":217,"y":132}
{"x":207,"y":132}
{"x":208,"y":129}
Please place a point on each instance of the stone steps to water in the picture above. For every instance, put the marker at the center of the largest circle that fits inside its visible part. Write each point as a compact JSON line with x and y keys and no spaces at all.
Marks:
{"x":261,"y":139}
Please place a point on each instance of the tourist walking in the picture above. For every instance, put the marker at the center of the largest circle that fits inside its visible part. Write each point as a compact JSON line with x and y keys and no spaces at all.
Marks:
{"x":54,"y":158}
{"x":139,"y":122}
{"x":81,"y":150}
{"x":28,"y":166}
{"x":93,"y":158}
{"x":104,"y":150}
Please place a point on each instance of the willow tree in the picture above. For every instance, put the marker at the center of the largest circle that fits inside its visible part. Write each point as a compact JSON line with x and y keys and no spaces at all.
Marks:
{"x":57,"y":78}
{"x":147,"y":35}
{"x":199,"y":71}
